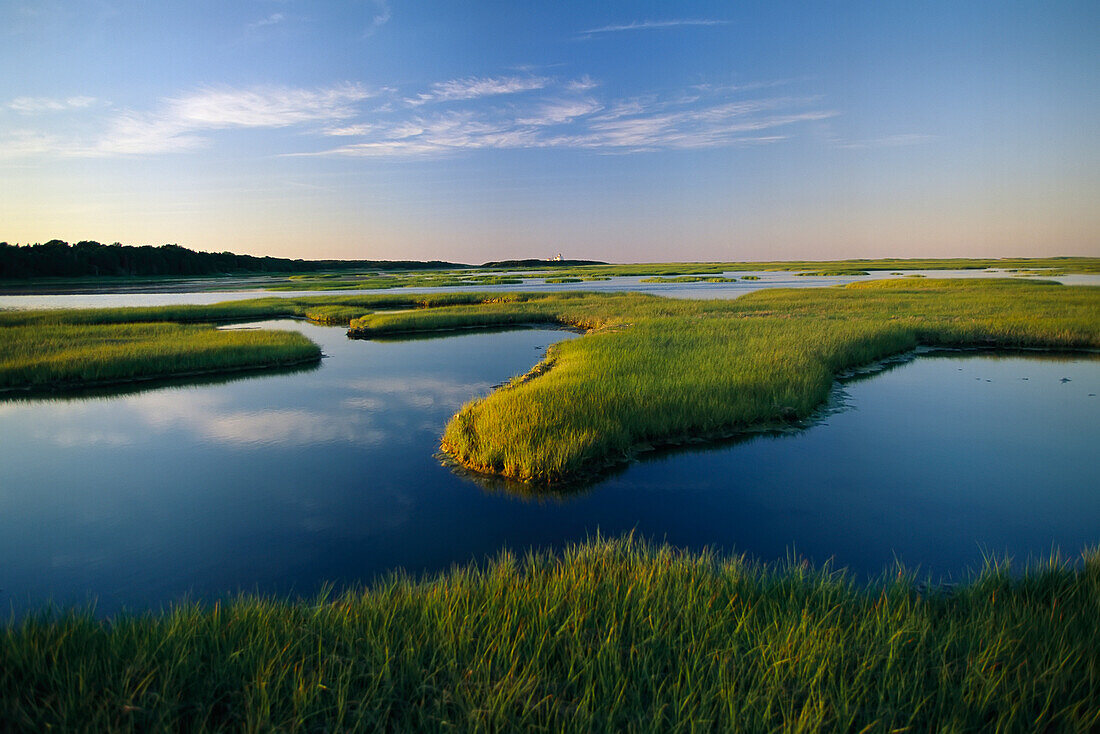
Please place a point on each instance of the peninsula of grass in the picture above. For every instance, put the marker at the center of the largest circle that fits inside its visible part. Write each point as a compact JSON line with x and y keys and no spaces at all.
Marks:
{"x":650,"y":371}
{"x":58,"y":349}
{"x":83,"y":355}
{"x":654,"y":371}
{"x":615,"y":635}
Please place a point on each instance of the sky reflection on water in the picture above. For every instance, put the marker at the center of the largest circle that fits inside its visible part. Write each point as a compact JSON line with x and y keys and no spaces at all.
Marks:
{"x":282,"y":483}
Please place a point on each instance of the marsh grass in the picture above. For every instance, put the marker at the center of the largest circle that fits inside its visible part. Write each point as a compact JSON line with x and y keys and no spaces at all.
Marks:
{"x":689,"y":279}
{"x":654,"y":371}
{"x":59,"y":356}
{"x":473,"y":277}
{"x":650,"y":372}
{"x":1063,"y":264}
{"x":55,"y":349}
{"x":834,"y":271}
{"x":609,"y":635}
{"x":381,"y":281}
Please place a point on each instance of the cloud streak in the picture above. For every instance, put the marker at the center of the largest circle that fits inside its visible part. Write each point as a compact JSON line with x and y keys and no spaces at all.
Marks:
{"x":475,"y":87}
{"x":381,"y":16}
{"x":647,"y":25}
{"x":35,"y":105}
{"x":182,"y":123}
{"x":448,"y":118}
{"x":273,"y":19}
{"x":568,"y":119}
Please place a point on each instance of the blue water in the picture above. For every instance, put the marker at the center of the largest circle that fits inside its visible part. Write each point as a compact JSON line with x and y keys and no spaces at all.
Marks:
{"x":283,"y":483}
{"x":151,"y":296}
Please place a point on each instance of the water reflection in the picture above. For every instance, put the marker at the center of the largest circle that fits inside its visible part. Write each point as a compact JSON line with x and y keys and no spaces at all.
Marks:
{"x":761,"y":279}
{"x":286,"y":482}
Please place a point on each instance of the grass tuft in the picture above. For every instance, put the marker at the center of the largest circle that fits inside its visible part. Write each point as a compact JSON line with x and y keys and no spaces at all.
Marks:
{"x":610,"y":635}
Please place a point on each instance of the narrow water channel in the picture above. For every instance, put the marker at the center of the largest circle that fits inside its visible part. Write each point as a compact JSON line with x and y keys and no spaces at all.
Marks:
{"x":284,"y":483}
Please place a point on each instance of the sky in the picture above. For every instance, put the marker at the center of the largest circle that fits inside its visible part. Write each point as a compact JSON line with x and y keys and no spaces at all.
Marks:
{"x":618,"y":131}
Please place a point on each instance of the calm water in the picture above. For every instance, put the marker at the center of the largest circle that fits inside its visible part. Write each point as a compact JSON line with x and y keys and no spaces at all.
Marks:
{"x":284,"y":482}
{"x":136,"y":297}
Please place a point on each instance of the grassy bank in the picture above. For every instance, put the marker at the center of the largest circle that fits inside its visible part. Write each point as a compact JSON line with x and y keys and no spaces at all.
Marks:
{"x":656,"y":371}
{"x":609,"y":636}
{"x":675,"y":272}
{"x":79,"y":356}
{"x":54,"y":349}
{"x":651,"y":371}
{"x":689,"y":279}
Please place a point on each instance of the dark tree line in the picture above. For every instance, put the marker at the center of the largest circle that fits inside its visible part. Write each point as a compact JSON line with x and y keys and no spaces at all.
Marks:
{"x":57,"y":258}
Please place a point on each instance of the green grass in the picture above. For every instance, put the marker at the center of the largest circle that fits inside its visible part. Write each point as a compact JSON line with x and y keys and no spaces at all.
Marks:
{"x":382,"y":281}
{"x":608,"y":636}
{"x":64,"y":356}
{"x":1063,"y":264}
{"x":835,"y":271}
{"x":375,"y":280}
{"x":689,"y":279}
{"x":656,"y":371}
{"x":53,"y":349}
{"x":651,"y":371}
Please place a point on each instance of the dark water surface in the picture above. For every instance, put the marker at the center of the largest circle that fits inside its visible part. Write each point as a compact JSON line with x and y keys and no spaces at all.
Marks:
{"x":281,"y":483}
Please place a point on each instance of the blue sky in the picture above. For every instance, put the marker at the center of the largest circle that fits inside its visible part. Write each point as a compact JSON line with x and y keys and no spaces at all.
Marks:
{"x":618,"y":131}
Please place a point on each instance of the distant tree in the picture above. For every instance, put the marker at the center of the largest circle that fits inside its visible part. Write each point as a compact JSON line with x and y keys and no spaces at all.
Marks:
{"x":57,"y":258}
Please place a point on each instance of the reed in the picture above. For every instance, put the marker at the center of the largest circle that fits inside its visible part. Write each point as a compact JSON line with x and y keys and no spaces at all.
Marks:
{"x":56,"y":349}
{"x":655,"y":371}
{"x":79,"y":356}
{"x":651,"y":371}
{"x":689,"y":279}
{"x":609,"y":635}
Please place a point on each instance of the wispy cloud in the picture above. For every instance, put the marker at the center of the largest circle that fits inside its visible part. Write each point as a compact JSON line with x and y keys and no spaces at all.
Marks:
{"x":176,"y":126}
{"x":179,"y":123}
{"x":381,"y":16}
{"x":474,"y":87}
{"x":646,"y":25}
{"x":558,"y":112}
{"x":264,"y":106}
{"x":34,"y":105}
{"x":581,"y":85}
{"x":702,"y":119}
{"x":273,"y":19}
{"x":459,"y":115}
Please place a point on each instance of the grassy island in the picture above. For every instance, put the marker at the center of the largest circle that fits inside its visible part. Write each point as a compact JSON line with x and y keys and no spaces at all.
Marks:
{"x":650,"y":370}
{"x":65,"y":355}
{"x":608,"y":636}
{"x":655,"y":371}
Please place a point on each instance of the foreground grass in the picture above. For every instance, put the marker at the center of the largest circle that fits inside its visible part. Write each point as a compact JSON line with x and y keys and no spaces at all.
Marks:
{"x":657,"y":371}
{"x":609,"y":636}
